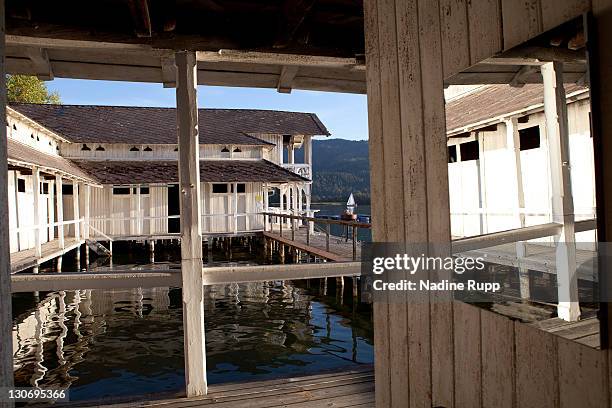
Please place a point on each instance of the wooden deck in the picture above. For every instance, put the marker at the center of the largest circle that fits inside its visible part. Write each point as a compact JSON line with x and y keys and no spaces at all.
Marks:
{"x":584,"y":331}
{"x":539,"y":258}
{"x":27,"y":258}
{"x":354,"y":388}
{"x":340,"y":250}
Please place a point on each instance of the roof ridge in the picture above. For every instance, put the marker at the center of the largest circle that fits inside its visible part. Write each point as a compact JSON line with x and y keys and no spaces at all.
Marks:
{"x":156,"y":107}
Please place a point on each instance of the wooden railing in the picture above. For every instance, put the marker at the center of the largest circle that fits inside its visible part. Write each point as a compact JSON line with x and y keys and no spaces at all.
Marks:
{"x":352,"y":226}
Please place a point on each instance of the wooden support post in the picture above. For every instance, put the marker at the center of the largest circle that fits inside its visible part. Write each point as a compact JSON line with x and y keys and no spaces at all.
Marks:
{"x":191,"y":238}
{"x":76,"y":211}
{"x":235,"y":208}
{"x":265,"y":206}
{"x":354,"y":243}
{"x":51,"y":212}
{"x":38,"y":228}
{"x":308,"y":150}
{"x":60,"y":211}
{"x":86,"y":205}
{"x":6,"y":318}
{"x":290,"y":153}
{"x":555,"y":110}
{"x":138,"y":211}
{"x":513,"y":147}
{"x":327,"y":233}
{"x":414,"y":363}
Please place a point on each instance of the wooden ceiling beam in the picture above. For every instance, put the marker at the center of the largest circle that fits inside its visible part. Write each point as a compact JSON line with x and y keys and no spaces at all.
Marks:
{"x":536,"y":56}
{"x":228,"y":55}
{"x":40,"y":62}
{"x":139,"y":9}
{"x":286,"y":77}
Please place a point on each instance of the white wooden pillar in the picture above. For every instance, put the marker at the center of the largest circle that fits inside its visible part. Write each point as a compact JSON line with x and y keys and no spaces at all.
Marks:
{"x":76,"y":210}
{"x":6,"y":319}
{"x":235,"y":207}
{"x":482,"y":197}
{"x":16,"y":198}
{"x":291,"y":153}
{"x":513,"y":144}
{"x":51,"y":212}
{"x":191,"y":238}
{"x":266,"y":206}
{"x":86,"y":209}
{"x":308,"y":150}
{"x":60,"y":211}
{"x":37,"y":221}
{"x":138,"y":211}
{"x":555,"y":111}
{"x":409,"y":178}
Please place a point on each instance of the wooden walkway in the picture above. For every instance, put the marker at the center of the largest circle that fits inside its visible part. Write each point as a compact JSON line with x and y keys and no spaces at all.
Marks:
{"x":584,"y":331}
{"x":27,"y":258}
{"x":539,"y":258}
{"x":354,"y":388}
{"x":340,"y":250}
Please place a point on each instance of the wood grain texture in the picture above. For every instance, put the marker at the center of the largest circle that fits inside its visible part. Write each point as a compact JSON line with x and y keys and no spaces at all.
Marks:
{"x":455,"y":36}
{"x":191,"y":239}
{"x":556,"y":12}
{"x":522,"y":20}
{"x":377,"y":188}
{"x":537,"y":382}
{"x":498,"y":388}
{"x":468,"y":374}
{"x":440,"y":323}
{"x":391,"y":103}
{"x":583,"y":373}
{"x":484,"y":19}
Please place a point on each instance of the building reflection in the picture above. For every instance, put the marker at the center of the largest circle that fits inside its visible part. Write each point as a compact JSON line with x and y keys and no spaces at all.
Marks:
{"x":84,"y":337}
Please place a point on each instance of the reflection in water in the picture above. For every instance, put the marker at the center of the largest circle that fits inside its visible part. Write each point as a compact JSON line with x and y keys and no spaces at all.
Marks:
{"x":128,"y":342}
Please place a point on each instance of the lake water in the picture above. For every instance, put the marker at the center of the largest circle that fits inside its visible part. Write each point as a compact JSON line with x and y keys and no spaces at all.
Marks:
{"x":108,"y":343}
{"x":337,"y":209}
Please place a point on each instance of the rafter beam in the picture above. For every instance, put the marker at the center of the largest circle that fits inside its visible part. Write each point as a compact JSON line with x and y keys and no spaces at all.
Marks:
{"x":536,"y":56}
{"x":40,"y":62}
{"x":286,"y":77}
{"x":518,"y":80}
{"x":291,"y":20}
{"x":139,"y":9}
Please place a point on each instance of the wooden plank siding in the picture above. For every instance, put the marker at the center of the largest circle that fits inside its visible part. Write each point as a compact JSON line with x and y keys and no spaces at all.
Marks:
{"x":474,"y":30}
{"x":492,"y":361}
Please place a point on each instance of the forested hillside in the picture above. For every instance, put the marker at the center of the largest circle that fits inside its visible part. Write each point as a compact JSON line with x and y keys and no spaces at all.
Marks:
{"x":341,"y":167}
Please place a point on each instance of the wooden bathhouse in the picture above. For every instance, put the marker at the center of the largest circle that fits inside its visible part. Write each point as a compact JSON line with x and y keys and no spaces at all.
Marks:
{"x":499,"y":176}
{"x":111,"y":173}
{"x":439,"y":351}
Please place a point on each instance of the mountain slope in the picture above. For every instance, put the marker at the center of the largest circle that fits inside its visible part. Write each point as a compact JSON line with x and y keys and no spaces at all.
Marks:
{"x":340,"y":167}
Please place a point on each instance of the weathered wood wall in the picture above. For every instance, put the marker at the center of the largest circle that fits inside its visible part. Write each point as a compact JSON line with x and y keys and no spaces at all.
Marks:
{"x":443,"y":354}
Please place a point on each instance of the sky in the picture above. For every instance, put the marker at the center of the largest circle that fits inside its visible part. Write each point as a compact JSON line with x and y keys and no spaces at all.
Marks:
{"x":344,"y":115}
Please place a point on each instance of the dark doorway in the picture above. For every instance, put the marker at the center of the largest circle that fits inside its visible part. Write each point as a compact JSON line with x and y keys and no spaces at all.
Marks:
{"x":174,"y":208}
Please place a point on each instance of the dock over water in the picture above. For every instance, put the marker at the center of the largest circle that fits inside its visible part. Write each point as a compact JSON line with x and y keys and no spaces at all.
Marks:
{"x":354,"y":388}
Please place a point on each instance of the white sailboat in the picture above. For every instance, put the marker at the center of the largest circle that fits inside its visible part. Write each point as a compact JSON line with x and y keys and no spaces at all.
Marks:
{"x":350,"y":204}
{"x":349,"y":214}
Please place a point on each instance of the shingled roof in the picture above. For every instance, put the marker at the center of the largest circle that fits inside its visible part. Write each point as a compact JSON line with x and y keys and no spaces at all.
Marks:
{"x":142,"y":125}
{"x":18,"y":152}
{"x":493,"y":101}
{"x":216,"y":171}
